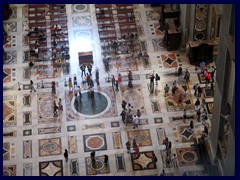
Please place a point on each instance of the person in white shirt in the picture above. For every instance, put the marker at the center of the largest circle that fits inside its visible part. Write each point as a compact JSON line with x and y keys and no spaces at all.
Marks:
{"x":135,"y":122}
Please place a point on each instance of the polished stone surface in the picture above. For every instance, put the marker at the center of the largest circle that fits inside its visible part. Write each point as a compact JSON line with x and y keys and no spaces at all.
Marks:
{"x":34,"y":139}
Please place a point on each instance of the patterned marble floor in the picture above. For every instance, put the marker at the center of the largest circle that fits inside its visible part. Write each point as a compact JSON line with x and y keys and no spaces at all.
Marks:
{"x":34,"y":140}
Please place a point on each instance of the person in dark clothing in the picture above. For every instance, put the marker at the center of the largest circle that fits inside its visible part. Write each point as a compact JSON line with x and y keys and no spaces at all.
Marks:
{"x":128,"y":145}
{"x":157,"y":78}
{"x":97,"y":76}
{"x":32,"y":87}
{"x":116,"y":85}
{"x":55,"y":108}
{"x":106,"y":160}
{"x":124,"y":103}
{"x":187,"y":75}
{"x":199,"y":114}
{"x":83,"y":67}
{"x":199,"y":91}
{"x":66,"y":155}
{"x":162,"y":173}
{"x":123,"y":114}
{"x":92,"y":155}
{"x":179,"y":71}
{"x":89,"y":67}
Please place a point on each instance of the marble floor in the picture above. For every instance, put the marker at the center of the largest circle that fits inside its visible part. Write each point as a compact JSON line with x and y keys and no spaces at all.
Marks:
{"x":34,"y":140}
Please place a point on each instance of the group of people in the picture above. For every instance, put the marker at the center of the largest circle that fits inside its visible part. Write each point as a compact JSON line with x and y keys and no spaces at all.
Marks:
{"x":170,"y":159}
{"x":127,"y":115}
{"x":132,"y":148}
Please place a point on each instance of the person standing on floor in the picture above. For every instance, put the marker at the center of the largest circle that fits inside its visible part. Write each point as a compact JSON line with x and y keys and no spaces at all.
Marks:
{"x":60,"y":106}
{"x":195,"y":88}
{"x":191,"y":126}
{"x":135,"y":122}
{"x":166,"y":142}
{"x":113,"y":81}
{"x":70,"y":85}
{"x":53,"y":85}
{"x":199,"y":91}
{"x":124,"y":103}
{"x":199,"y":115}
{"x":106,"y":160}
{"x":128,"y":145}
{"x":83,"y":67}
{"x":174,"y":160}
{"x":197,"y":104}
{"x":66,"y":155}
{"x":204,"y":115}
{"x":97,"y":77}
{"x":162,"y":173}
{"x":55,"y":108}
{"x":89,"y":67}
{"x":32,"y":87}
{"x":116,"y":85}
{"x":74,"y":81}
{"x":139,"y":114}
{"x":119,"y":80}
{"x":169,"y":147}
{"x":157,"y":78}
{"x":123,"y":114}
{"x":154,"y":159}
{"x":187,"y":75}
{"x":92,"y":155}
{"x":166,"y":89}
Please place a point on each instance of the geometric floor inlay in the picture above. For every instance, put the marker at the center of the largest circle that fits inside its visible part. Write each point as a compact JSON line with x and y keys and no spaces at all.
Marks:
{"x":95,"y":142}
{"x":51,"y":168}
{"x":186,"y":156}
{"x":142,"y":137}
{"x":143,"y":161}
{"x":49,"y":147}
{"x":98,"y":167}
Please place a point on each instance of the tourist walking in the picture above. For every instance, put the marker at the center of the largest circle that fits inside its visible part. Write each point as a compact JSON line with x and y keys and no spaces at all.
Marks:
{"x":157,"y":78}
{"x":162,"y":173}
{"x":74,"y":81}
{"x":166,"y":89}
{"x":123,"y":114}
{"x":174,"y":160}
{"x":53,"y":85}
{"x":92,"y":155}
{"x":154,"y":158}
{"x":97,"y":77}
{"x":89,"y":67}
{"x":60,"y":106}
{"x":120,"y":80}
{"x":195,"y":88}
{"x":197,"y":104}
{"x":66,"y":155}
{"x":70,"y":85}
{"x":135,"y":122}
{"x":139,"y":114}
{"x":55,"y":108}
{"x":199,"y":115}
{"x":32,"y":88}
{"x":199,"y":91}
{"x":128,"y":145}
{"x":113,"y":81}
{"x":106,"y":160}
{"x":124,"y":103}
{"x":83,"y":67}
{"x":187,"y":75}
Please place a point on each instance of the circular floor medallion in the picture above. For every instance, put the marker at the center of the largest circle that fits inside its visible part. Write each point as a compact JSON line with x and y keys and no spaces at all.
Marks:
{"x":80,"y":7}
{"x":189,"y":156}
{"x":91,"y":105}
